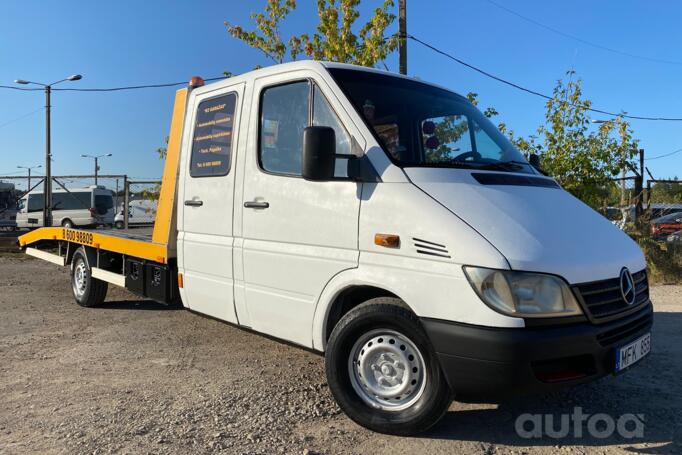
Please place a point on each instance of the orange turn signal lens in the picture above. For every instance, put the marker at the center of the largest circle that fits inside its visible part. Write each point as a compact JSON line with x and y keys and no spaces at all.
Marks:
{"x":180,"y":283}
{"x":196,"y":81}
{"x":387,"y":240}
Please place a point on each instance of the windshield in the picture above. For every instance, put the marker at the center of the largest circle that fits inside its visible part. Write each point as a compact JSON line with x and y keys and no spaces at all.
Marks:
{"x":422,"y":125}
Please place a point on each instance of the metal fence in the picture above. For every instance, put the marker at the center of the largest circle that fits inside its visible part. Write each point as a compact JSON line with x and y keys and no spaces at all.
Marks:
{"x":124,"y":190}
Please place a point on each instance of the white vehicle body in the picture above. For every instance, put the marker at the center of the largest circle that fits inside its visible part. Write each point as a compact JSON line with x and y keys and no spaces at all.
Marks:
{"x":140,"y":212}
{"x":91,"y":206}
{"x":516,"y":285}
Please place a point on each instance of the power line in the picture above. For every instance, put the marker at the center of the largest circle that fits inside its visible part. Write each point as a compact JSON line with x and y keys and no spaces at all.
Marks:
{"x":533,"y":92}
{"x":132,"y":87}
{"x":110,"y":89}
{"x":663,"y":156}
{"x":20,"y":117}
{"x":580,"y":40}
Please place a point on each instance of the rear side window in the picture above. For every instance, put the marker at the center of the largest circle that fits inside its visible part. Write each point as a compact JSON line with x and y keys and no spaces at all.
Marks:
{"x":212,"y":141}
{"x":73,"y":200}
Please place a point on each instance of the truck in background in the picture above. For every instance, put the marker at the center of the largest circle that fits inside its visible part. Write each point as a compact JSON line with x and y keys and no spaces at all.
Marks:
{"x":141,"y":212}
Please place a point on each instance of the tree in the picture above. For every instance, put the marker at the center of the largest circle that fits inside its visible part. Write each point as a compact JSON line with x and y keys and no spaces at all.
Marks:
{"x":584,"y":160}
{"x":334,"y":39}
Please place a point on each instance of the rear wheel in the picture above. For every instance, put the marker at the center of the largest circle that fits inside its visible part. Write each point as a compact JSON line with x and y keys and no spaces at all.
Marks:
{"x":118,"y":224}
{"x":67,"y":223}
{"x":87,"y":291}
{"x":383,"y":371}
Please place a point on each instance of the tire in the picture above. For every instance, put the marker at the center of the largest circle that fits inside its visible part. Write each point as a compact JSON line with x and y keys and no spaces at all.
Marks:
{"x":87,"y":291}
{"x":380,"y":338}
{"x":119,"y":225}
{"x":67,"y":223}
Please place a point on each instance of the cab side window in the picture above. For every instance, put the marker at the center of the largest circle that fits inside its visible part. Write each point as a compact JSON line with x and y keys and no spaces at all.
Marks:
{"x":212,"y":141}
{"x":284,"y":115}
{"x":323,"y":115}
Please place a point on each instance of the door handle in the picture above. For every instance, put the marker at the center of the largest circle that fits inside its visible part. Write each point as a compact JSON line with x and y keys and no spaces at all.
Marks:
{"x":256,"y":205}
{"x":194,"y":203}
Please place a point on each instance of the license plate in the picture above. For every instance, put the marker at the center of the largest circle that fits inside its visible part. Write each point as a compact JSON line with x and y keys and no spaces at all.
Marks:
{"x":632,"y":353}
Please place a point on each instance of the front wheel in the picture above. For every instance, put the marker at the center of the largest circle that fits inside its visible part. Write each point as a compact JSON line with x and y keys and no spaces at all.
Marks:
{"x":118,"y":224}
{"x":87,"y":291}
{"x":383,"y":371}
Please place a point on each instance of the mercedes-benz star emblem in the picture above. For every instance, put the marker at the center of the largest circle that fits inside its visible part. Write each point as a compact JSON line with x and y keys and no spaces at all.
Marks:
{"x":627,"y":286}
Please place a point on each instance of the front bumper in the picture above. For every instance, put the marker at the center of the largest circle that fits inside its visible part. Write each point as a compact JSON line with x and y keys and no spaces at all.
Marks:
{"x":489,"y":364}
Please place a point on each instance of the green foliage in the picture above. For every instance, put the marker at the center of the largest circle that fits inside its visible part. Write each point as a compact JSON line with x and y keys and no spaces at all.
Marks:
{"x":584,"y":159}
{"x":162,"y":151}
{"x":334,"y":38}
{"x":664,"y":261}
{"x":668,"y":193}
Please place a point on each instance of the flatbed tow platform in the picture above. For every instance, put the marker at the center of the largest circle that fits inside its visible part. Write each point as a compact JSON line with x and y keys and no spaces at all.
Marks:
{"x":141,"y":262}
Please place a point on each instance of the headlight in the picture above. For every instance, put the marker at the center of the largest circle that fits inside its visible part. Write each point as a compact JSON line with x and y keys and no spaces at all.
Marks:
{"x":523,"y":294}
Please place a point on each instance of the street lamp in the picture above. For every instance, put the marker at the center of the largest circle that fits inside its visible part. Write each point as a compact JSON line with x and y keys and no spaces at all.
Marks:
{"x":96,"y":158}
{"x":47,"y":192}
{"x":29,"y":174}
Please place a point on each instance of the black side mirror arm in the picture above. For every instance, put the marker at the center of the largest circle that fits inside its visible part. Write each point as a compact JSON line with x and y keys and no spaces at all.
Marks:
{"x":534,"y":160}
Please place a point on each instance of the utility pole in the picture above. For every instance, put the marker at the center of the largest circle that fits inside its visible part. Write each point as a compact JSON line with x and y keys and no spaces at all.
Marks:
{"x":47,"y":183}
{"x":28,"y":168}
{"x":639,"y":186}
{"x":402,"y":34}
{"x":96,"y":158}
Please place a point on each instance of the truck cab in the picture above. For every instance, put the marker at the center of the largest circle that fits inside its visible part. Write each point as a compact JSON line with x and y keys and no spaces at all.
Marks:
{"x":385,"y":222}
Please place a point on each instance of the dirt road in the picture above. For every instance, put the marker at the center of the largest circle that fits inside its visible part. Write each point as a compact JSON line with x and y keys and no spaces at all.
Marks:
{"x":136,"y":377}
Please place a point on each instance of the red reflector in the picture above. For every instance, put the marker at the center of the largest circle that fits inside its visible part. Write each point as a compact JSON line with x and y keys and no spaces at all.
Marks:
{"x":93,"y":211}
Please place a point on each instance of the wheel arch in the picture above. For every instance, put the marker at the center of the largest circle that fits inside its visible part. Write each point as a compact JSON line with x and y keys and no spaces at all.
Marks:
{"x":343,"y":293}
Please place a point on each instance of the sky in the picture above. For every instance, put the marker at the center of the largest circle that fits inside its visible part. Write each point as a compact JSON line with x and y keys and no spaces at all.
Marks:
{"x":147,"y":42}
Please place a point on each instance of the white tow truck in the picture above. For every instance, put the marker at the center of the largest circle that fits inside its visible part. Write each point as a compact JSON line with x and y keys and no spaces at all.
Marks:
{"x":386,"y":223}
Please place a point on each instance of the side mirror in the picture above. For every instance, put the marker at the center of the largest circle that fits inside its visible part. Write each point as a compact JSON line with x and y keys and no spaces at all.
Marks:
{"x":534,"y":160}
{"x":319,"y":153}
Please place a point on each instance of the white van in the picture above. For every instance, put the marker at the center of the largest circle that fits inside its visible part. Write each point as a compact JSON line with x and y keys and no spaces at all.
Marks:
{"x":386,"y":223}
{"x":86,"y":207}
{"x":141,"y":212}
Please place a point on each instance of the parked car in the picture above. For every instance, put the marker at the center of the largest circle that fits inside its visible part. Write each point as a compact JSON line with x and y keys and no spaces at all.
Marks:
{"x":90,"y":206}
{"x":140,"y":213}
{"x":666,"y":224}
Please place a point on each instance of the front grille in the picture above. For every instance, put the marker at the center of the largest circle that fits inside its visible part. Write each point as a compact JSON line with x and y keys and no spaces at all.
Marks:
{"x":603,"y":299}
{"x":627,"y":330}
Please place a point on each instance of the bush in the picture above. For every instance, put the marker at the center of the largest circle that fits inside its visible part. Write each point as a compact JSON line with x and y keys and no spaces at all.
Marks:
{"x":664,"y":261}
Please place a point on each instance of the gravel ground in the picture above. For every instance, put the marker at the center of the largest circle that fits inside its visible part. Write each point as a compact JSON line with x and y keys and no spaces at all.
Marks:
{"x":137,"y":377}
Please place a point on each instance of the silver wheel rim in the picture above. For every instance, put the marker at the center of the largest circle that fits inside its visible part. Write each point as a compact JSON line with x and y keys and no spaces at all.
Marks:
{"x":387,"y":370}
{"x":80,"y":278}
